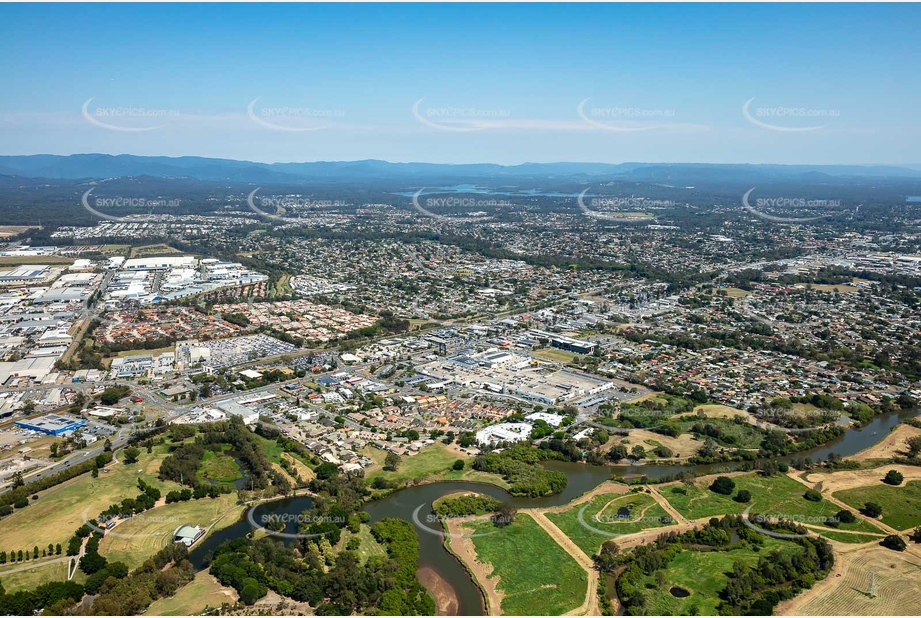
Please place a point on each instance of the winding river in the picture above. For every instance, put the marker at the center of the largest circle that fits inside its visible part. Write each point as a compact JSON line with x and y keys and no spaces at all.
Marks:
{"x":581,"y":478}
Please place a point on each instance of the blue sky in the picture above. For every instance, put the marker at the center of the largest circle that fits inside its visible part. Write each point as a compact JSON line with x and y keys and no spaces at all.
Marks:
{"x":503,"y":83}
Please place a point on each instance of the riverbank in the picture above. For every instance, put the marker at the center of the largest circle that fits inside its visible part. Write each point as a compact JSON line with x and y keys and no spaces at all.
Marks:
{"x":461,"y":547}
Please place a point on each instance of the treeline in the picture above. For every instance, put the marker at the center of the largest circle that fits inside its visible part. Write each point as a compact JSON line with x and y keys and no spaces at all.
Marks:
{"x":520,"y":466}
{"x":55,"y":597}
{"x":24,"y":491}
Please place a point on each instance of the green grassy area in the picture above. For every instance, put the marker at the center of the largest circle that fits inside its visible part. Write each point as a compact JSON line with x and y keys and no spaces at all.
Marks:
{"x":204,"y":591}
{"x":31,"y":578}
{"x":555,"y":354}
{"x":145,"y":534}
{"x":537,"y":576}
{"x":369,"y":545}
{"x":901,"y":505}
{"x":272,"y":449}
{"x":219,"y":467}
{"x":613,"y":515}
{"x":777,"y":495}
{"x":703,"y":574}
{"x":741,"y":435}
{"x":850,"y":538}
{"x":59,"y":511}
{"x":433,"y":460}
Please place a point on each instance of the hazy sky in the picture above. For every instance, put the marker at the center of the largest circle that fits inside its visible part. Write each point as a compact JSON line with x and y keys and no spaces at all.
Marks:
{"x":497,"y":83}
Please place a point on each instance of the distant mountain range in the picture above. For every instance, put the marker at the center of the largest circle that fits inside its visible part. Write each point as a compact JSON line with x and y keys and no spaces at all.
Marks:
{"x":97,"y":166}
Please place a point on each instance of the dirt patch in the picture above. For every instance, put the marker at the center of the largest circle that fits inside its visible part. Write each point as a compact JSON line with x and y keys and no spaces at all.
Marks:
{"x":446,"y":602}
{"x":481,"y":572}
{"x":845,"y":590}
{"x":890,"y":446}
{"x":840,"y":480}
{"x":683,"y":446}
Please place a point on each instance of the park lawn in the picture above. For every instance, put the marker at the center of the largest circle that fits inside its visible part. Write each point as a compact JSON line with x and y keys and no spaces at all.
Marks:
{"x":604,"y":512}
{"x":145,"y":534}
{"x":60,"y":510}
{"x":202,"y":592}
{"x":777,"y":495}
{"x":219,"y":467}
{"x":432,"y":460}
{"x":31,"y":578}
{"x":901,"y":504}
{"x":537,"y":576}
{"x":703,"y":574}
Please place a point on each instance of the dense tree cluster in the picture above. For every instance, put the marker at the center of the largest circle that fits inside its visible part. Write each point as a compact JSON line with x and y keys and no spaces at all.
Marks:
{"x":334,"y":584}
{"x":520,"y":466}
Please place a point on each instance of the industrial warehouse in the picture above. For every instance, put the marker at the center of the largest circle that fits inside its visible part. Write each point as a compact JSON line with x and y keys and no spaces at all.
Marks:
{"x":52,"y":424}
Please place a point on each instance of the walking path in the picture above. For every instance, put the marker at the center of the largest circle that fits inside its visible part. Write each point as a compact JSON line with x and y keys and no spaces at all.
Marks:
{"x":677,"y":517}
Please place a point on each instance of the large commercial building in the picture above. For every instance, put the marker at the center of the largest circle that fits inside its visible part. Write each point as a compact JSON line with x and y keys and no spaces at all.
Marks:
{"x":52,"y":424}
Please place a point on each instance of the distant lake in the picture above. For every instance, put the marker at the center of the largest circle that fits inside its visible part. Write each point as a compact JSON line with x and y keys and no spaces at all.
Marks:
{"x":913,"y":198}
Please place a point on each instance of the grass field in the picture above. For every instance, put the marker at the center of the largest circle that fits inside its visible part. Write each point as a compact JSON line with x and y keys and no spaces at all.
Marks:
{"x":204,"y":591}
{"x":901,"y":505}
{"x":536,"y":575}
{"x":59,"y":511}
{"x":776,"y":495}
{"x":613,"y":514}
{"x":715,"y":410}
{"x":851,"y":538}
{"x":145,"y":534}
{"x":555,"y":354}
{"x":26,"y":580}
{"x":433,"y":460}
{"x":703,"y":574}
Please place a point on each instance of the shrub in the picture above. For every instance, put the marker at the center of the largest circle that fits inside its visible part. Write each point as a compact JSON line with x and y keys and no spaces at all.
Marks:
{"x":812,"y":495}
{"x":872,"y":509}
{"x":723,"y":485}
{"x":458,"y":465}
{"x":744,"y":496}
{"x":895,"y":542}
{"x":845,"y":516}
{"x":893,"y":477}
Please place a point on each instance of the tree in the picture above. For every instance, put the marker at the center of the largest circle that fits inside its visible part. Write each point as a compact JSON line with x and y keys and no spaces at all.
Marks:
{"x":915,"y":535}
{"x":17,"y":481}
{"x":107,"y":446}
{"x":458,"y":465}
{"x":893,"y":477}
{"x":131,"y":454}
{"x":505,"y":514}
{"x":914,"y":446}
{"x":845,"y":516}
{"x":638,"y":452}
{"x":723,"y":485}
{"x":391,"y":462}
{"x":895,"y":542}
{"x":744,"y":496}
{"x":872,"y":509}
